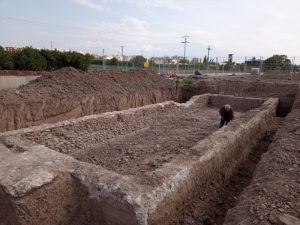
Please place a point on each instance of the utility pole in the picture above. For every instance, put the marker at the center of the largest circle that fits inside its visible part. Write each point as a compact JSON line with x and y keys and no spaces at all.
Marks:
{"x":260,"y":68}
{"x":122,"y":49}
{"x":103,"y":60}
{"x":184,"y":53}
{"x":292,"y":69}
{"x":51,"y":44}
{"x":207,"y":61}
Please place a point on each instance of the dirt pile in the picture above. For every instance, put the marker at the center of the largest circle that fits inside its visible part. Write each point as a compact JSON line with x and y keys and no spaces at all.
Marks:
{"x":69,"y":82}
{"x":69,"y":93}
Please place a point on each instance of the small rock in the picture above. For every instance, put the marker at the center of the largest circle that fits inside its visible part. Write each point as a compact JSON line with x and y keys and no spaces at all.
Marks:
{"x":281,"y":210}
{"x":289,"y":220}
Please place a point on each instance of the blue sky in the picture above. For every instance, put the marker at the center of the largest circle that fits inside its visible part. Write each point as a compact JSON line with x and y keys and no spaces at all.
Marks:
{"x":154,"y":27}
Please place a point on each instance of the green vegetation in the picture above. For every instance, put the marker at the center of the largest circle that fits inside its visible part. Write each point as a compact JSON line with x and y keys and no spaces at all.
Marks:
{"x":136,"y":62}
{"x":188,"y":80}
{"x":33,"y":59}
{"x":277,"y":62}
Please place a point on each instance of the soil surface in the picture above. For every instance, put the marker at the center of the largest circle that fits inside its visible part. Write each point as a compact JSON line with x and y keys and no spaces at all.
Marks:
{"x":273,"y":197}
{"x":216,"y":199}
{"x":140,"y":151}
{"x":69,"y":83}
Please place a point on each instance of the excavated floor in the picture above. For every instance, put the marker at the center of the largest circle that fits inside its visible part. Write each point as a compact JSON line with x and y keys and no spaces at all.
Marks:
{"x":145,"y":164}
{"x":139,"y":151}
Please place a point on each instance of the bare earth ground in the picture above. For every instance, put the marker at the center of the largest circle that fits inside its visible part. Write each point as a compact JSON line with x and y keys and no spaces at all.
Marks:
{"x":274,"y":193}
{"x":140,"y":151}
{"x":271,"y":194}
{"x":69,"y":83}
{"x":212,"y":206}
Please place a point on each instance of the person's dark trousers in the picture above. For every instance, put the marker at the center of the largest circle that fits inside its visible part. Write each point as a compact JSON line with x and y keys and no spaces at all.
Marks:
{"x":224,"y":120}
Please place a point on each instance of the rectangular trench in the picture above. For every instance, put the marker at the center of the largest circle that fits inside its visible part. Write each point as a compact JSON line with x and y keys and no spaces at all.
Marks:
{"x":176,"y":177}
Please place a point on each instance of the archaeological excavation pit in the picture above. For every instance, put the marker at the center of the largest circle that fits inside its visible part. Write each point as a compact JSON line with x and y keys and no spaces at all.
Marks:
{"x":137,"y":166}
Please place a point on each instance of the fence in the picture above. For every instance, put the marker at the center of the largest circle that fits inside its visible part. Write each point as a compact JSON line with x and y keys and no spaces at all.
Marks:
{"x":275,"y":65}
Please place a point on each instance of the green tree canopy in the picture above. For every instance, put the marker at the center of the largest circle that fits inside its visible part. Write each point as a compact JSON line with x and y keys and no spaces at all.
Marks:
{"x":29,"y":59}
{"x":277,"y":62}
{"x":33,"y":59}
{"x":6,"y":60}
{"x":113,"y":61}
{"x":138,"y":61}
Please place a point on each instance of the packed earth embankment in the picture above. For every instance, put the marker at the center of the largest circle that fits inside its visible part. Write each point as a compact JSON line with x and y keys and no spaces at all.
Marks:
{"x":69,"y":93}
{"x":273,"y":197}
{"x":41,"y":168}
{"x":246,"y":86}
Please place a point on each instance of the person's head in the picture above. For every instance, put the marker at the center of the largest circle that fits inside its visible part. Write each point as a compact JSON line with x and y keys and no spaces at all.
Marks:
{"x":227,"y":107}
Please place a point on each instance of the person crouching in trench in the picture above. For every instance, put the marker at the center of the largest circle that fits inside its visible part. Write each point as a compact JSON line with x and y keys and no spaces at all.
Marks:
{"x":227,"y":115}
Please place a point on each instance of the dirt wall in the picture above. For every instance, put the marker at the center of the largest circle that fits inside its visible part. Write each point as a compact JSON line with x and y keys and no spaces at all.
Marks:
{"x":16,"y":116}
{"x":262,"y":89}
{"x":108,"y":193}
{"x":238,"y":103}
{"x":273,"y":197}
{"x":69,"y":93}
{"x":218,"y":158}
{"x":56,"y":203}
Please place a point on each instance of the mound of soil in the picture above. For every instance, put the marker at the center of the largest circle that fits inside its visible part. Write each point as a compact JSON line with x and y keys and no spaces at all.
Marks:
{"x":69,"y":83}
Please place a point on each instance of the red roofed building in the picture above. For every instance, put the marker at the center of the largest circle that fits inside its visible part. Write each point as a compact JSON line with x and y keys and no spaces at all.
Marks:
{"x":9,"y":49}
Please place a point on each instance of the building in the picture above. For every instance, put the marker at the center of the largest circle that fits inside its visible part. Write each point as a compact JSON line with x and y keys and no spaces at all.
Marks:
{"x":176,"y":59}
{"x":253,"y":62}
{"x":10,"y":49}
{"x":195,"y":60}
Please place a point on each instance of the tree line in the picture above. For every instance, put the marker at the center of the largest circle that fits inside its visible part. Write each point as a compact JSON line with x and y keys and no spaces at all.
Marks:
{"x":29,"y":58}
{"x":136,"y":61}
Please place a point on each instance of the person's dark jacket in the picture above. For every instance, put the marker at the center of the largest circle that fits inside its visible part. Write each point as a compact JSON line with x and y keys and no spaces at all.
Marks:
{"x":229,"y":113}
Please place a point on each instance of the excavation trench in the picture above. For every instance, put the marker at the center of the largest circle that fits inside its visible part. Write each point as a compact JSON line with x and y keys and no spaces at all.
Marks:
{"x":145,"y":164}
{"x":217,"y":198}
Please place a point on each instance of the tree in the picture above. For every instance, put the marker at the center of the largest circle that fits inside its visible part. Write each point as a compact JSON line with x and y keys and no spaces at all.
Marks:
{"x":6,"y":60}
{"x":138,"y":61}
{"x":113,"y":61}
{"x":229,"y":65}
{"x":34,"y":59}
{"x":29,"y":59}
{"x":204,"y":60}
{"x":277,"y":62}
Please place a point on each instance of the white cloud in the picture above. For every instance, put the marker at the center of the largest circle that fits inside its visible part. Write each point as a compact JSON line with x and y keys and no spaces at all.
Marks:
{"x":133,"y":33}
{"x":150,"y":48}
{"x":169,"y":4}
{"x":92,"y":5}
{"x":136,"y":24}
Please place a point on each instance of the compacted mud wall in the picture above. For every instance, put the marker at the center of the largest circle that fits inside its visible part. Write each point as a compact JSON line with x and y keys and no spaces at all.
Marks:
{"x":285,"y":92}
{"x":33,"y":177}
{"x":16,"y":116}
{"x":273,"y":197}
{"x":69,"y":93}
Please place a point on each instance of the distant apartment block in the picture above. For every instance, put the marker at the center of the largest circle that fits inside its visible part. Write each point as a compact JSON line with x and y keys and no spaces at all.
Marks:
{"x":10,"y":49}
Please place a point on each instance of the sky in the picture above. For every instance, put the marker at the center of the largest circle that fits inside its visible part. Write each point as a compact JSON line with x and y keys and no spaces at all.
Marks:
{"x":154,"y":27}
